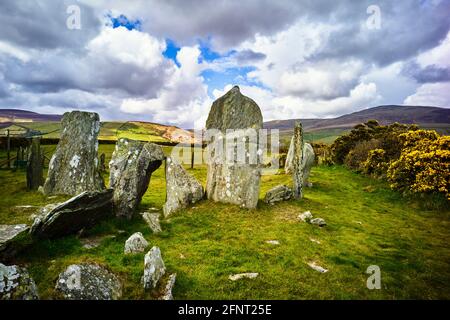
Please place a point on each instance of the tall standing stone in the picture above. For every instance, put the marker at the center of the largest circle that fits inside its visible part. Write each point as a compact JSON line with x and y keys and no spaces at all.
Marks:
{"x":73,"y":168}
{"x":307,"y":161}
{"x":182,"y":189}
{"x":234,"y":173}
{"x":130,"y":169}
{"x":35,"y":162}
{"x":297,"y":172}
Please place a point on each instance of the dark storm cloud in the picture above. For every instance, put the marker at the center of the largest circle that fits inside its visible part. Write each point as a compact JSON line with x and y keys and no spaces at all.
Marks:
{"x":429,"y":74}
{"x":42,"y":24}
{"x":248,"y":56}
{"x":407,"y":28}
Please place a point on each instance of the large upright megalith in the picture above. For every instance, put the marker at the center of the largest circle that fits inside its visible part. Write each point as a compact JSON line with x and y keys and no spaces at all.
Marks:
{"x":35,"y":177}
{"x":297,"y":160}
{"x":130,"y":170}
{"x":234,"y":170}
{"x":73,"y":168}
{"x":307,"y":161}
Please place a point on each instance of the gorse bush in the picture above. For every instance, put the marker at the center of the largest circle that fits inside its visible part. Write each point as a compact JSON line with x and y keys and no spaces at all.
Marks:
{"x":358,"y":155}
{"x":412,"y":160}
{"x":423,"y":165}
{"x":377,"y":163}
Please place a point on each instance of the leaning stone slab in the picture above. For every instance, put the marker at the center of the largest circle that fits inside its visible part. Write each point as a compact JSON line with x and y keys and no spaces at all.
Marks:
{"x":152,"y":220}
{"x":154,"y":268}
{"x":278,"y":194}
{"x":88,"y":282}
{"x":16,"y":284}
{"x":307,"y":161}
{"x":135,"y":244}
{"x":10,"y":236}
{"x":131,"y":167}
{"x":182,"y":189}
{"x":234,"y":173}
{"x":249,"y":275}
{"x":73,"y":168}
{"x":167,"y":292}
{"x":71,"y":216}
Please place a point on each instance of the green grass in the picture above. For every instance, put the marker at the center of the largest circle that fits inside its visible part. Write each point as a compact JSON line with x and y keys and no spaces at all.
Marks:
{"x":368,"y":224}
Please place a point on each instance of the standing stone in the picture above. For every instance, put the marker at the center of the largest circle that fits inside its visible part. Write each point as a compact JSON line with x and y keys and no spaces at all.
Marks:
{"x":307,"y":163}
{"x":152,"y":219}
{"x":16,"y":284}
{"x":135,"y":244}
{"x":182,"y":189}
{"x":234,"y":173}
{"x":297,"y":172}
{"x":88,"y":282}
{"x":102,"y":166}
{"x":71,"y":216}
{"x":35,"y":163}
{"x":154,"y":268}
{"x":130,"y":170}
{"x":73,"y":168}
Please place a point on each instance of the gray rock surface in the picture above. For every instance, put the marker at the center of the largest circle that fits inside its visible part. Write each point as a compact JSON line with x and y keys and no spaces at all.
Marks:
{"x":131,"y":167}
{"x":73,"y":168}
{"x":307,"y":161}
{"x":239,"y":276}
{"x":152,"y":220}
{"x":71,"y":216}
{"x":9,"y":239}
{"x":154,"y":268}
{"x":305,"y":216}
{"x":234,"y":178}
{"x":16,"y":284}
{"x":35,"y":165}
{"x":182,"y":189}
{"x":318,"y":221}
{"x":88,"y":282}
{"x":297,"y":160}
{"x":277,"y":194}
{"x":167,"y":292}
{"x":135,"y":244}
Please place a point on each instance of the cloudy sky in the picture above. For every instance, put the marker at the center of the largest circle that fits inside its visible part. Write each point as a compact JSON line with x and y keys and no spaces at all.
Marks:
{"x":166,"y":61}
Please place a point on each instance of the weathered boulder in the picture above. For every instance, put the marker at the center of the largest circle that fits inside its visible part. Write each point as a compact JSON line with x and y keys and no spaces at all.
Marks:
{"x":277,"y":194}
{"x":318,"y":222}
{"x":152,"y":219}
{"x":131,"y":167}
{"x":88,"y":282}
{"x":35,"y":165}
{"x":71,"y":216}
{"x":305,"y":216}
{"x":10,"y":236}
{"x":73,"y":168}
{"x":167,"y":292}
{"x":154,"y":268}
{"x":182,"y":189}
{"x":135,"y":244}
{"x":234,"y":157}
{"x":16,"y":284}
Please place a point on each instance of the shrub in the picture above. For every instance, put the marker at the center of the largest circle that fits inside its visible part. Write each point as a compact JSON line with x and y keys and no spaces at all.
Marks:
{"x":376,"y":163}
{"x":358,"y":155}
{"x":423,"y":165}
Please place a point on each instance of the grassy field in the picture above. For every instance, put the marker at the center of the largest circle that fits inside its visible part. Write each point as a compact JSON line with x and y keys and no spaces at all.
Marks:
{"x":368,"y":224}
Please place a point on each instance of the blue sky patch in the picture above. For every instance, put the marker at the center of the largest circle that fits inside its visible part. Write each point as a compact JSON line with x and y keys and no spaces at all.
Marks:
{"x":172,"y":51}
{"x":123,"y":21}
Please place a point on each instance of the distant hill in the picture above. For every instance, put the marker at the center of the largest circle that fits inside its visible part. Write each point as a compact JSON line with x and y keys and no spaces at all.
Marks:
{"x":21,"y":122}
{"x":16,"y":115}
{"x":424,"y":116}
